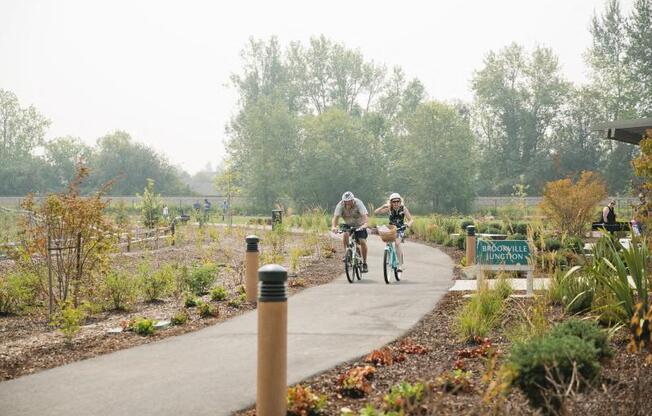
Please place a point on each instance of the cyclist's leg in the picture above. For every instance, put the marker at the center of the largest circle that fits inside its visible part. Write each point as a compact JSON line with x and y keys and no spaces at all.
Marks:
{"x":345,"y":240}
{"x":399,"y":251}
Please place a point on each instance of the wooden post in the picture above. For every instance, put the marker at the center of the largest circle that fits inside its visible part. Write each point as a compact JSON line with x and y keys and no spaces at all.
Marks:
{"x":251,"y":268}
{"x":470,"y":245}
{"x":271,"y":384}
{"x":50,"y":294}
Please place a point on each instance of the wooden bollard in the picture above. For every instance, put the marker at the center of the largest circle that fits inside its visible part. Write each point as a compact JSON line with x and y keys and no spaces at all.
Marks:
{"x":271,"y":383}
{"x":251,"y":268}
{"x":470,"y":245}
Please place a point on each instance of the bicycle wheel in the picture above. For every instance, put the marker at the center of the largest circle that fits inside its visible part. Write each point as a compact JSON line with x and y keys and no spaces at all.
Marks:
{"x":386,"y":265}
{"x":348,"y":266}
{"x":358,"y":269}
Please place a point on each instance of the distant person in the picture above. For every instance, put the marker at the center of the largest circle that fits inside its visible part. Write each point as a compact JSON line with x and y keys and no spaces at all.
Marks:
{"x":207,"y":209}
{"x":225,"y":208}
{"x":196,"y":206}
{"x":609,"y":213}
{"x":166,"y":212}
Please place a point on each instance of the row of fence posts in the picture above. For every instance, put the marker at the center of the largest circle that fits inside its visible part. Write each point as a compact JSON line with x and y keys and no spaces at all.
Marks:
{"x":268,"y":286}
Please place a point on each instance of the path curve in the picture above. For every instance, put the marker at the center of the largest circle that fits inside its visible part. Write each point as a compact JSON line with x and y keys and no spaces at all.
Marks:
{"x":213,"y":371}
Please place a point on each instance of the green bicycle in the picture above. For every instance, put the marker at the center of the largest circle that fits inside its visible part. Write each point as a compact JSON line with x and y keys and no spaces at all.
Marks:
{"x":390,"y":258}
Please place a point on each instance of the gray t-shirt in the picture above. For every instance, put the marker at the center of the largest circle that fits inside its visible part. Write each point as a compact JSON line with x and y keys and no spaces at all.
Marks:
{"x":352,"y":216}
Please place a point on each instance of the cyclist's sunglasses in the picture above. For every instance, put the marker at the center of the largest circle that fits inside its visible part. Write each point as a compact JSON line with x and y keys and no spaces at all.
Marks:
{"x":395,"y":200}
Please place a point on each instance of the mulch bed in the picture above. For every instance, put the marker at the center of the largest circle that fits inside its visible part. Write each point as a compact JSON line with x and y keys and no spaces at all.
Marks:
{"x":624,"y":388}
{"x":28,"y":344}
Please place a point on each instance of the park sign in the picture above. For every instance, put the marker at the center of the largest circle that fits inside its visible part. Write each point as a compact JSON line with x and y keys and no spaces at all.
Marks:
{"x":505,"y":252}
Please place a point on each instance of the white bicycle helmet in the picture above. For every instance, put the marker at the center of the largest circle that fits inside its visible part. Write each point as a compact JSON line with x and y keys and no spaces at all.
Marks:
{"x":347,"y":196}
{"x":395,"y":196}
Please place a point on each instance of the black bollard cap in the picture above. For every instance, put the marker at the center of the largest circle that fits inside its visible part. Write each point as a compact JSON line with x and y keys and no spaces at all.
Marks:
{"x":272,"y":283}
{"x":252,"y":242}
{"x":470,"y":230}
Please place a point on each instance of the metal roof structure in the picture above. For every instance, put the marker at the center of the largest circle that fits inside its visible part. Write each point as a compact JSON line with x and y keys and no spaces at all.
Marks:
{"x":628,"y":131}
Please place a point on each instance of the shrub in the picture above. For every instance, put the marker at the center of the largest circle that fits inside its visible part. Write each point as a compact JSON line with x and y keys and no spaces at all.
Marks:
{"x":355,"y":382}
{"x":480,"y":315}
{"x":460,"y":242}
{"x":517,"y":236}
{"x":455,"y":381}
{"x":17,"y":290}
{"x":587,"y":331}
{"x":518,"y":228}
{"x":303,"y":402}
{"x":570,"y":206}
{"x":502,"y":287}
{"x":235,"y":302}
{"x":190,"y":300}
{"x":179,"y":318}
{"x":404,"y":397}
{"x":69,"y":320}
{"x":552,"y":244}
{"x":574,"y":291}
{"x":202,"y":278}
{"x":157,"y":284}
{"x":218,"y":293}
{"x":465,"y":223}
{"x":574,"y":244}
{"x":541,"y":359}
{"x":151,"y":206}
{"x":207,"y":310}
{"x":121,"y":289}
{"x":143,"y":326}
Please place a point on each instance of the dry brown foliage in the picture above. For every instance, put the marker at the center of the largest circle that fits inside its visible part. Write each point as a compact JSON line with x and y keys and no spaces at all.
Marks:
{"x":569,"y":206}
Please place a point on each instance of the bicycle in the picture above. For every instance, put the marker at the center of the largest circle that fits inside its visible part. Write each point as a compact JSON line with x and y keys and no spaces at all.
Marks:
{"x":353,"y":257}
{"x":390,"y":257}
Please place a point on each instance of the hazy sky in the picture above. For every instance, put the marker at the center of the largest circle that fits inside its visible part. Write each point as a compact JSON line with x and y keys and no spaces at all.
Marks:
{"x":160,"y":69}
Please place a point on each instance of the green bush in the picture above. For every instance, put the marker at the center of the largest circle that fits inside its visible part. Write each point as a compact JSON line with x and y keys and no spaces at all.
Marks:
{"x":202,"y":278}
{"x":190,"y":300}
{"x":143,"y":326}
{"x":120,"y":289}
{"x":587,"y":331}
{"x":17,"y":291}
{"x":404,"y":397}
{"x":540,"y":359}
{"x":552,"y":244}
{"x":460,"y":242}
{"x":517,"y":236}
{"x":517,"y":228}
{"x":179,"y":318}
{"x":69,"y":320}
{"x":157,"y":284}
{"x":218,"y":293}
{"x":574,"y":291}
{"x":465,"y":223}
{"x":207,"y":310}
{"x":480,"y":315}
{"x":493,"y":230}
{"x":502,"y":287}
{"x":574,"y":244}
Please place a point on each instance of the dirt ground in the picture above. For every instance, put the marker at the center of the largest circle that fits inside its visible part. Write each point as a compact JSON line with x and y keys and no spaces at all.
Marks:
{"x":28,"y":344}
{"x":624,"y":387}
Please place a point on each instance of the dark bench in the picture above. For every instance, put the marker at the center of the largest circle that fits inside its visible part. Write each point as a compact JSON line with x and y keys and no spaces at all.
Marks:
{"x":619,"y":226}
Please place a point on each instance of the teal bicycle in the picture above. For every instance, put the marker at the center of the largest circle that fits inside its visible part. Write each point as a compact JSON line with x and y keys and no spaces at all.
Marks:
{"x":390,"y":258}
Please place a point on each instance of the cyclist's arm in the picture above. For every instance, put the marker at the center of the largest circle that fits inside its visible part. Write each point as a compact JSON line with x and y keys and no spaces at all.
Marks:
{"x":334,"y":222}
{"x":365,"y":219}
{"x":408,"y":217}
{"x":382,"y":209}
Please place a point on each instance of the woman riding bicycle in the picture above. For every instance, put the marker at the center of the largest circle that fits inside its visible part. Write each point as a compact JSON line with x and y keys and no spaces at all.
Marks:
{"x":398,"y":213}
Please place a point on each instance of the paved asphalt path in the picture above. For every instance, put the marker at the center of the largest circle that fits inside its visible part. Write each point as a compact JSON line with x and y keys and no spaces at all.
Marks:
{"x":213,"y":371}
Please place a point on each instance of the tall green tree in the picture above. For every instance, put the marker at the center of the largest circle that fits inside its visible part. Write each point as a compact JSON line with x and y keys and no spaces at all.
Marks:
{"x":437,"y":164}
{"x":638,"y":56}
{"x":517,"y":101}
{"x":22,"y":131}
{"x":607,"y":59}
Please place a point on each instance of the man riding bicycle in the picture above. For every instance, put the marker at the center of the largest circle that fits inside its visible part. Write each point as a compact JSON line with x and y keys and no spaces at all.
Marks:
{"x":355,"y":215}
{"x":398,"y":213}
